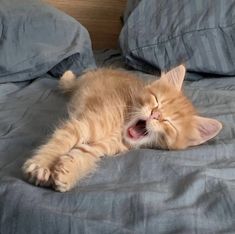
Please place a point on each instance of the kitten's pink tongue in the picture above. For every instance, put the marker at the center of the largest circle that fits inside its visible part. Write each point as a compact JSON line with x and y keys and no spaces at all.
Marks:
{"x":138,"y":130}
{"x":133,"y":133}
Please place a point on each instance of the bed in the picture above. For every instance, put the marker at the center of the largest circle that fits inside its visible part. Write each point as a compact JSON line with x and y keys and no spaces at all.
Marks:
{"x":142,"y":191}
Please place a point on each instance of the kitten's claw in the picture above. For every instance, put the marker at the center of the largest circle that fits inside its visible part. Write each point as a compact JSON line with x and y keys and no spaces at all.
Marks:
{"x":36,"y":174}
{"x":63,"y":174}
{"x":61,"y":186}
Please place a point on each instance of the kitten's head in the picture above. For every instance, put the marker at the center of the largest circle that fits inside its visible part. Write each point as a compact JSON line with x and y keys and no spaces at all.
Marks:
{"x":164,"y":118}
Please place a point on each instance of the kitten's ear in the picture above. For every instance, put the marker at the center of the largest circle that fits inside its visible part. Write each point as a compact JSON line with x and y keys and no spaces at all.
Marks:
{"x":207,"y":129}
{"x":175,"y":76}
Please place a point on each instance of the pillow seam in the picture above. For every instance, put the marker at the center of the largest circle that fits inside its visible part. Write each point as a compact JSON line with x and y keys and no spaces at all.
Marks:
{"x":178,"y":36}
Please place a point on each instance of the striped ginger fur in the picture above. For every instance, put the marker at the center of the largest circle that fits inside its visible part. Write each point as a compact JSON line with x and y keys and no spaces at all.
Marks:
{"x":112,"y":111}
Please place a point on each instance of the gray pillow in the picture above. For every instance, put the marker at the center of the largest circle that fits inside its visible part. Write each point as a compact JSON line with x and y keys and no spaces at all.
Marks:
{"x":130,"y":6}
{"x":160,"y":34}
{"x":35,"y":37}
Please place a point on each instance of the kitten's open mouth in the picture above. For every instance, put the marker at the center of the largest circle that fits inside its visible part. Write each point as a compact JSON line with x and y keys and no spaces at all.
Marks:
{"x":138,"y":130}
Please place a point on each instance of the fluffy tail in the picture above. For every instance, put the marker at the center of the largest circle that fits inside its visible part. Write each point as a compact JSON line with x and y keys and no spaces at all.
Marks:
{"x":67,"y":82}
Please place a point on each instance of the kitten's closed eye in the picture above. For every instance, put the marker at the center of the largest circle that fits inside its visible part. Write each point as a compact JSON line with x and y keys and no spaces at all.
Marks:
{"x":156,"y":99}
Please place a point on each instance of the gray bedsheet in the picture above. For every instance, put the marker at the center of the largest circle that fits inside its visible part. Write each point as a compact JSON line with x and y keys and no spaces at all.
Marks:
{"x":143,"y":191}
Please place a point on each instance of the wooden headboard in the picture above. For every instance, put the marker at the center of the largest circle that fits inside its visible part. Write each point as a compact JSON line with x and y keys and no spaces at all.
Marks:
{"x":102,"y":18}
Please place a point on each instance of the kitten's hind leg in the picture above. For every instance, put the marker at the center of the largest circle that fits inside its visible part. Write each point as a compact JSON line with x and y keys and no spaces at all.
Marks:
{"x":38,"y":168}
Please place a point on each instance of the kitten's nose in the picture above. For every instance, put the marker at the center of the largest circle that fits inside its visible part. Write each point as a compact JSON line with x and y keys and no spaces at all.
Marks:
{"x":156,"y":115}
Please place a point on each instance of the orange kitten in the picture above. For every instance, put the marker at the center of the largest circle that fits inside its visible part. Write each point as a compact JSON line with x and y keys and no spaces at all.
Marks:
{"x":112,"y":111}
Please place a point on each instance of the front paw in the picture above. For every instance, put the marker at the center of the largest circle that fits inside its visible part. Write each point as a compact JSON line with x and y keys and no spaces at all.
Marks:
{"x":64,"y":174}
{"x":36,"y":173}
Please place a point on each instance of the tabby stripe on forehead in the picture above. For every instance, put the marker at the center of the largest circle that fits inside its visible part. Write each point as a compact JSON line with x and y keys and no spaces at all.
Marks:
{"x":168,"y":102}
